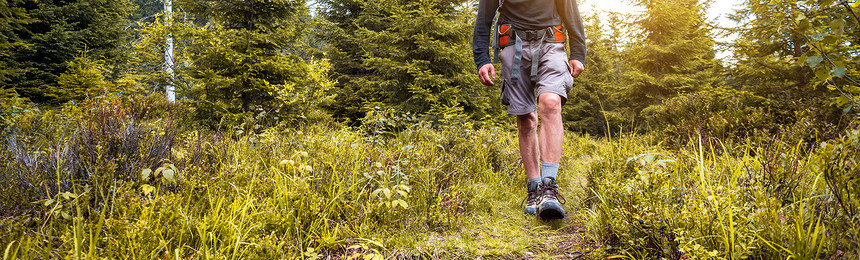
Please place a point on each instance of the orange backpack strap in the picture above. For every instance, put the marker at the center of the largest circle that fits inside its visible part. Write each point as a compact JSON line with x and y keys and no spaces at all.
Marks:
{"x":558,"y":34}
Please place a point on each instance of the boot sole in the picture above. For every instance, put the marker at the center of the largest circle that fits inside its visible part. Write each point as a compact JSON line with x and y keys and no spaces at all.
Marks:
{"x":551,"y":214}
{"x":553,"y":211}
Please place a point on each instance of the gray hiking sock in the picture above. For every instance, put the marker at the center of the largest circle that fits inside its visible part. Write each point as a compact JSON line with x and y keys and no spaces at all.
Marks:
{"x":549,"y":170}
{"x":533,"y":183}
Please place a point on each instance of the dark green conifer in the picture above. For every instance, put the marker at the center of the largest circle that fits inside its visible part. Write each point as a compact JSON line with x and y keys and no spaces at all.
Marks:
{"x":672,"y":54}
{"x":13,"y":17}
{"x":589,"y":99}
{"x":47,"y":35}
{"x":244,"y":60}
{"x":413,"y":56}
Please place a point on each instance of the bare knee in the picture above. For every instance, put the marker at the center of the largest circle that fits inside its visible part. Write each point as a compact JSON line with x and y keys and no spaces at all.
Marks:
{"x":528,"y":122}
{"x":549,"y":104}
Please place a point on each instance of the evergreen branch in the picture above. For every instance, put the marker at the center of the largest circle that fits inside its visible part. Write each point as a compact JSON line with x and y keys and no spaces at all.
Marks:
{"x":138,"y":21}
{"x":152,"y":2}
{"x":713,"y":26}
{"x":771,"y":67}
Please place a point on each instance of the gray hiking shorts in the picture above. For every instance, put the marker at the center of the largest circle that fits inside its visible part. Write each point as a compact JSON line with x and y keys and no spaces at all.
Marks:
{"x":553,"y":76}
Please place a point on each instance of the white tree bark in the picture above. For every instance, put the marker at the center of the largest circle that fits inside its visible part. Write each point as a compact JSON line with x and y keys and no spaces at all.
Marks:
{"x":168,"y":54}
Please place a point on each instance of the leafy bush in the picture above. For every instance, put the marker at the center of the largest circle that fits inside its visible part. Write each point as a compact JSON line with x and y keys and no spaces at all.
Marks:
{"x":101,"y":145}
{"x":720,"y":112}
{"x":12,"y":107}
{"x":765,"y":200}
{"x":839,"y":163}
{"x":132,"y":183}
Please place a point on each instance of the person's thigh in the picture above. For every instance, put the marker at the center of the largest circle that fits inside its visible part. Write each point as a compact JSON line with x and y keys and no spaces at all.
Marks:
{"x":554,"y":71}
{"x":520,"y":95}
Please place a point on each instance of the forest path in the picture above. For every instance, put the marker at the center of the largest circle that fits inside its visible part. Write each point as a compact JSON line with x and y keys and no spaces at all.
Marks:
{"x":504,"y":232}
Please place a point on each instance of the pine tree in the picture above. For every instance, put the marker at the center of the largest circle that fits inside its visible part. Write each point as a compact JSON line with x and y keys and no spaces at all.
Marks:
{"x":413,"y":56}
{"x":589,"y":97}
{"x":12,"y":19}
{"x":49,"y":34}
{"x":673,"y":55}
{"x":85,"y":77}
{"x":244,"y":61}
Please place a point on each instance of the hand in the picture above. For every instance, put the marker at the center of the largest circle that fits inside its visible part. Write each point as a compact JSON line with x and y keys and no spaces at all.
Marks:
{"x":576,"y":68}
{"x":485,"y":73}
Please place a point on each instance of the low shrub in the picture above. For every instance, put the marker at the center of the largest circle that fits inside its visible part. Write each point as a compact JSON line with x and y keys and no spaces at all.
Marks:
{"x":122,"y":182}
{"x":97,"y":143}
{"x":768,"y":200}
{"x":728,"y":115}
{"x":716,"y":112}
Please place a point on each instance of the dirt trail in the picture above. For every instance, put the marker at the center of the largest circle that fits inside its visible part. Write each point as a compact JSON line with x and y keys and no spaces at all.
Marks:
{"x":504,"y":232}
{"x":568,"y":238}
{"x":571,"y":239}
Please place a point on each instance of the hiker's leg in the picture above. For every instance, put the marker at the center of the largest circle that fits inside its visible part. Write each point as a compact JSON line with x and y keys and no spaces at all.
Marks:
{"x":520,"y":96}
{"x":551,"y":129}
{"x":553,"y":83}
{"x":551,"y":137}
{"x":527,"y":133}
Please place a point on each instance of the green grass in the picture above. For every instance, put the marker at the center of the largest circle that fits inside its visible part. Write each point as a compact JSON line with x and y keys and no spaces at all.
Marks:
{"x":712,"y":200}
{"x":321,"y":190}
{"x":410,"y":191}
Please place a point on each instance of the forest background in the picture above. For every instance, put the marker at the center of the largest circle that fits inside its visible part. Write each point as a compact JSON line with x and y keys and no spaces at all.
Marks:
{"x":303,"y":130}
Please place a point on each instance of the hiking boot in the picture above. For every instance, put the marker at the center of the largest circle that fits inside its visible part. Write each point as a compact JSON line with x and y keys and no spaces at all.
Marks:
{"x":532,"y":199}
{"x":549,"y":207}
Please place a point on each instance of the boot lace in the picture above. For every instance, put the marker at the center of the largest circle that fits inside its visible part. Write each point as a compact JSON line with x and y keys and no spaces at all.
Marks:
{"x":533,"y":197}
{"x":550,"y":191}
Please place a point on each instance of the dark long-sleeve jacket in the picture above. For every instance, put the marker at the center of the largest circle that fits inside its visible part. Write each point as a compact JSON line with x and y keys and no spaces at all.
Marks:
{"x":528,"y":15}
